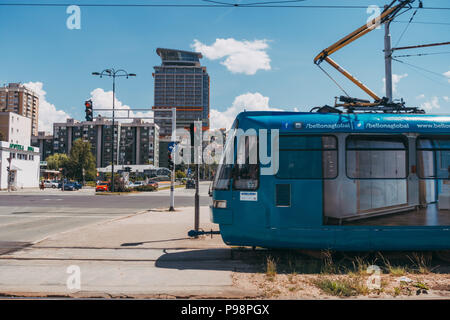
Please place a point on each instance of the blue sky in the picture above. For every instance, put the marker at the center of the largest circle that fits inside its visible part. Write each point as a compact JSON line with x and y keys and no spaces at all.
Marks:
{"x":38,"y":47}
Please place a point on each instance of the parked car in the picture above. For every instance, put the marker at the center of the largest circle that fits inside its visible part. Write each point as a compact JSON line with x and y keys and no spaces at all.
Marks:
{"x":69,"y":186}
{"x":136,"y":184}
{"x":102,"y":186}
{"x":190,"y":184}
{"x":153,"y":184}
{"x":51,"y":184}
{"x":77,"y":185}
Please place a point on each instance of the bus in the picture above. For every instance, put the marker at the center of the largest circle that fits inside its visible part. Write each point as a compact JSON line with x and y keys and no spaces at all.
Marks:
{"x":343,"y":181}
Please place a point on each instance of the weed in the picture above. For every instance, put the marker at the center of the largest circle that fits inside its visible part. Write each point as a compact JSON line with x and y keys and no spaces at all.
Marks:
{"x":271,"y":267}
{"x":421,"y":263}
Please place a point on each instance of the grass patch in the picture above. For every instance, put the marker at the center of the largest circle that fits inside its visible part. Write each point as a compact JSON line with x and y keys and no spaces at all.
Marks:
{"x":340,"y":288}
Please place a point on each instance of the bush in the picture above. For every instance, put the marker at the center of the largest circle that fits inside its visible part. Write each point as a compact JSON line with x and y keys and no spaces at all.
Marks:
{"x":144,"y":188}
{"x":91,"y":184}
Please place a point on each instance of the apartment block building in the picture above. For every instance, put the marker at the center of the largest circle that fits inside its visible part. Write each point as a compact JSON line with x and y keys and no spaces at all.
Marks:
{"x":15,"y":128}
{"x":17,"y":98}
{"x":44,"y":141}
{"x":134,"y":143}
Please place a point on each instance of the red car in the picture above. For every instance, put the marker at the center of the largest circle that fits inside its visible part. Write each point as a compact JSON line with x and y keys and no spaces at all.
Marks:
{"x":102,"y":186}
{"x":153,"y":184}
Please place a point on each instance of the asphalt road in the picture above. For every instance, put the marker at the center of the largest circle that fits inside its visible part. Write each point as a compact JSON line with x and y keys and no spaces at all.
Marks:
{"x":30,"y":216}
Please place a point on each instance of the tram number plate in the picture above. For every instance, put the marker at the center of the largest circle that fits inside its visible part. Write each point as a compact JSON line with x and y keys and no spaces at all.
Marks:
{"x":249,"y":196}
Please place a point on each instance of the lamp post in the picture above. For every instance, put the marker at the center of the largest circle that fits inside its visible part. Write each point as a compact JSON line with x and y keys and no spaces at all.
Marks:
{"x":113,"y":74}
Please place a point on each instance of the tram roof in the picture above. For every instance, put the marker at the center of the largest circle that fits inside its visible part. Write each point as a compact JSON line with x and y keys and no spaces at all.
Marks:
{"x":310,"y":122}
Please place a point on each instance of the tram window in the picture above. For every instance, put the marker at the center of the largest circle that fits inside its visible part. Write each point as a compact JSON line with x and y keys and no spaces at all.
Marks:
{"x":381,"y":157}
{"x":433,"y":157}
{"x":223,"y":176}
{"x":308,"y":157}
{"x":246,"y":169}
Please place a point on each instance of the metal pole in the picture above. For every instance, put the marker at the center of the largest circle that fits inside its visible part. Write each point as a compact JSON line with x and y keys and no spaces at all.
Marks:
{"x":172,"y":178}
{"x":388,"y":60}
{"x":112,"y":134}
{"x":9,"y":172}
{"x":198,"y":154}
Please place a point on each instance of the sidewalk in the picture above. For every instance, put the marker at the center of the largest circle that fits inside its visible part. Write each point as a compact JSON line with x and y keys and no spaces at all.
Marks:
{"x":144,"y":255}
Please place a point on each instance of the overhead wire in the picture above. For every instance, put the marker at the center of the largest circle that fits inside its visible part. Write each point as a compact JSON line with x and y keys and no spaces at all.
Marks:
{"x":425,"y":70}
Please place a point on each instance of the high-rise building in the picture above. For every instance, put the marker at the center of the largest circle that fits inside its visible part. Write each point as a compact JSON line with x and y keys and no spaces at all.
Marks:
{"x":17,"y":98}
{"x":135,"y":143}
{"x":181,"y":83}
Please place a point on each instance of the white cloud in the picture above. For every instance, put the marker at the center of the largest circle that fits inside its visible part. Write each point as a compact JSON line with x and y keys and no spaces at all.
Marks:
{"x":420,"y":96}
{"x":240,"y":56}
{"x":431,"y":105}
{"x":395,"y":81}
{"x":248,"y":101}
{"x":447,"y":74}
{"x":446,"y":99}
{"x":48,"y":114}
{"x":103,"y":100}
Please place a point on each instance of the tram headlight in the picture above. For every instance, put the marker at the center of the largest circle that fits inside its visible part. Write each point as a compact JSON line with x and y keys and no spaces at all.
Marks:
{"x":222,"y":204}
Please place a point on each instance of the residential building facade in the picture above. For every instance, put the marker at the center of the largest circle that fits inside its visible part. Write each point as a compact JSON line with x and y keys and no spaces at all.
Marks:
{"x":44,"y":141}
{"x":17,"y":98}
{"x":134,"y":143}
{"x":15,"y":128}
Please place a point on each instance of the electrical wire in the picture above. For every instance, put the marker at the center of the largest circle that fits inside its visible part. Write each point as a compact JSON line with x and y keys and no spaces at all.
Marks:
{"x":417,"y":68}
{"x":406,"y":28}
{"x":329,"y":76}
{"x":217,"y":4}
{"x":421,"y":54}
{"x":424,"y":22}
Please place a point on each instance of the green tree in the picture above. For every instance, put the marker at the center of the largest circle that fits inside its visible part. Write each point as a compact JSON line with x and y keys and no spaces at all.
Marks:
{"x":180,"y":174}
{"x":82,"y":160}
{"x":57,"y":161}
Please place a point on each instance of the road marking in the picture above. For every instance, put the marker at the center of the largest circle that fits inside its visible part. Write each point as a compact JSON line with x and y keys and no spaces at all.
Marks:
{"x":56,"y":216}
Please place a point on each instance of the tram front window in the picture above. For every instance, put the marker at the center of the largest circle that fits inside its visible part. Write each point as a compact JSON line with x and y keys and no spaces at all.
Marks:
{"x":246,"y":169}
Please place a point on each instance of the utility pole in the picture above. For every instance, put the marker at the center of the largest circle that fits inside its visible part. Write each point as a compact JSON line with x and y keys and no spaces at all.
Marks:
{"x":172,"y":178}
{"x":198,"y":158}
{"x":388,"y":59}
{"x":113,"y":74}
{"x":9,"y":172}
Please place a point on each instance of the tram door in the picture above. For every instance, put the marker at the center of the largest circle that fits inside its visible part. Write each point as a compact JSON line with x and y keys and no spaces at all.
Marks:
{"x":304,"y":163}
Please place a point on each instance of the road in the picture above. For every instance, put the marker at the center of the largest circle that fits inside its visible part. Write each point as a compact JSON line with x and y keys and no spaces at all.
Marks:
{"x":30,"y":216}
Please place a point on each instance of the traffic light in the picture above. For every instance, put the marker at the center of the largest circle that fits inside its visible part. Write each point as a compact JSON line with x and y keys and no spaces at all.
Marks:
{"x":88,"y":110}
{"x":169,"y":156}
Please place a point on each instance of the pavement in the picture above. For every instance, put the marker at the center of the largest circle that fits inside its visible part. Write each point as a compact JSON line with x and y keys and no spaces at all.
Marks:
{"x":142,"y":255}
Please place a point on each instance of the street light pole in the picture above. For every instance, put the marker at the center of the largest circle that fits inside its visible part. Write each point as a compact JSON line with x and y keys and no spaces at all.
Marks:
{"x":113,"y":74}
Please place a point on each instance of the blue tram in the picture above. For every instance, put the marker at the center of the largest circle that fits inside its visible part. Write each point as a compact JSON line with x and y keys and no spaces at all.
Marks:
{"x":353,"y":182}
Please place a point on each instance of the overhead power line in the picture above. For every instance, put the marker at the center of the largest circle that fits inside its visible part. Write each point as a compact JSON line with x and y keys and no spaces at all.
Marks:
{"x":211,"y":4}
{"x":421,"y":54}
{"x":424,"y":22}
